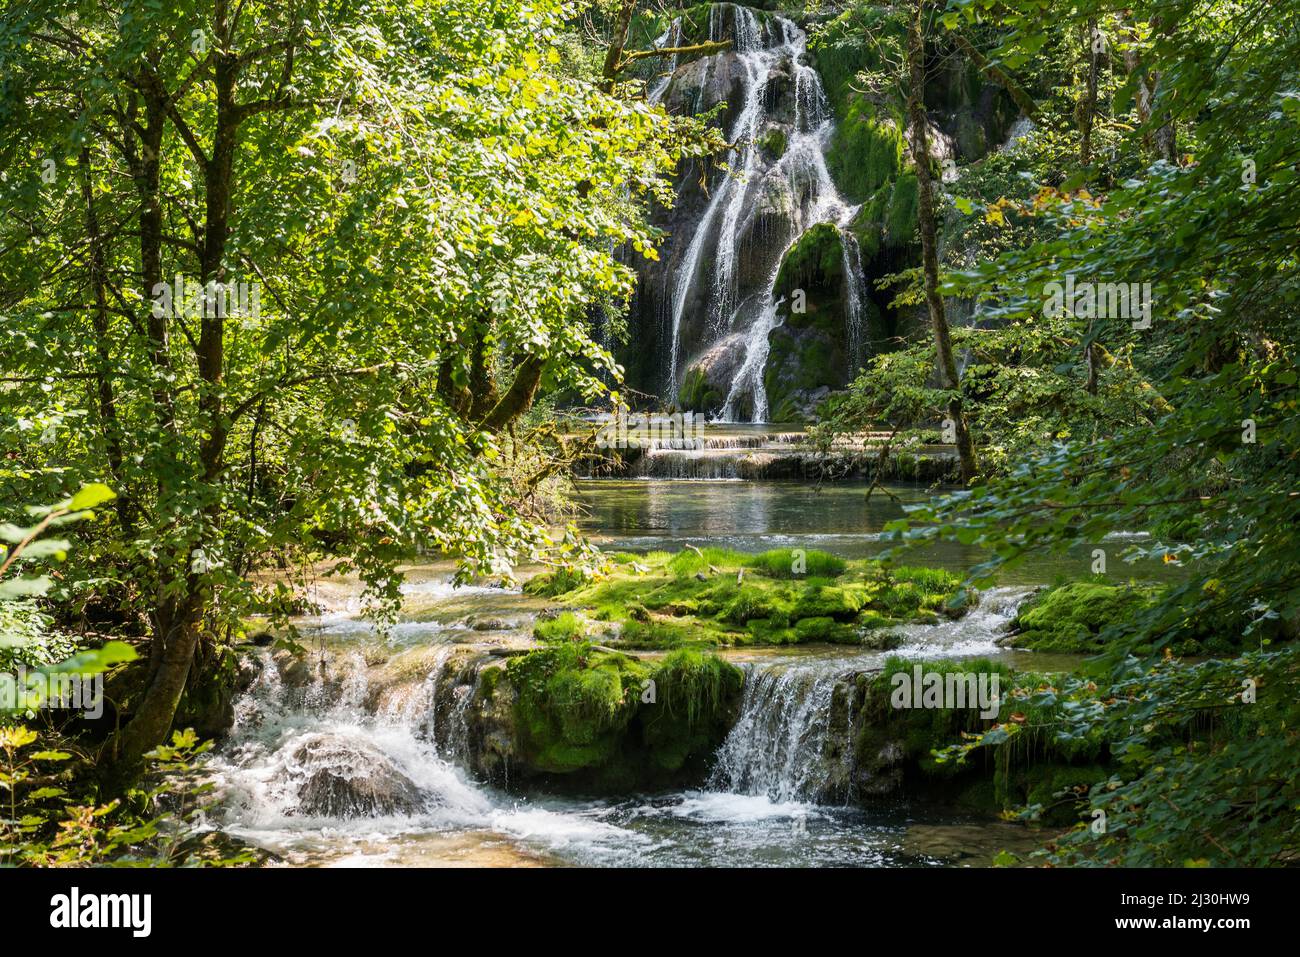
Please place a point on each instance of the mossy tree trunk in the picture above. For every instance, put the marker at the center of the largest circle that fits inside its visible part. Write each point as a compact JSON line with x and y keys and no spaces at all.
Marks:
{"x":947,"y":366}
{"x":1088,"y":104}
{"x":618,"y":40}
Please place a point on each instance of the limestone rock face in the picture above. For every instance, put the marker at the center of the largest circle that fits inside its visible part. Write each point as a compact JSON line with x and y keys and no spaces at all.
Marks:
{"x":702,"y":84}
{"x":708,"y":378}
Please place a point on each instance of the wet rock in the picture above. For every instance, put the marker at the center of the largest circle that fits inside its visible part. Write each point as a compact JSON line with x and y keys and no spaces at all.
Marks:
{"x":971,"y":844}
{"x":219,"y":848}
{"x":489,"y":624}
{"x":295,"y":670}
{"x":349,"y":778}
{"x":249,"y":670}
{"x":708,"y":378}
{"x":700,"y":85}
{"x":881,"y":640}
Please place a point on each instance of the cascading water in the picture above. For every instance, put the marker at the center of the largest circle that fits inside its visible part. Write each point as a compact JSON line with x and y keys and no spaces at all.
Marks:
{"x":757,"y":63}
{"x":775,"y":749}
{"x":766,"y":50}
{"x":855,"y":293}
{"x":672,"y":37}
{"x":783,"y":746}
{"x":360,"y":754}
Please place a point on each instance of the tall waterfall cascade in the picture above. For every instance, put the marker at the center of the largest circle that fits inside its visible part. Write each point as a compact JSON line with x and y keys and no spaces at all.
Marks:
{"x":729,"y":312}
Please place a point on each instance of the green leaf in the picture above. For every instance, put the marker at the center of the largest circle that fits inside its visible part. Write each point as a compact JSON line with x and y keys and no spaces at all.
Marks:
{"x":24,"y":588}
{"x":91,"y":495}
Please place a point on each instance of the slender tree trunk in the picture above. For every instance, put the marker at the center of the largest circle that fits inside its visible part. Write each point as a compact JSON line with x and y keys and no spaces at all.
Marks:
{"x":947,"y":366}
{"x":614,"y":56}
{"x":1088,"y":108}
{"x":1164,"y":142}
{"x":1087,"y":113}
{"x":518,"y":399}
{"x":178,"y":622}
{"x":106,"y":399}
{"x":1093,"y":361}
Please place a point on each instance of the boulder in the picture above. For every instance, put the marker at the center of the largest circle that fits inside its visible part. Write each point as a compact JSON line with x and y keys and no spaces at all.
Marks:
{"x":345,"y":777}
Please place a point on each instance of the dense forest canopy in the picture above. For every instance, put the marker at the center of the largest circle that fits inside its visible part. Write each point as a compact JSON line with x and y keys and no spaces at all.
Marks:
{"x":309,"y":281}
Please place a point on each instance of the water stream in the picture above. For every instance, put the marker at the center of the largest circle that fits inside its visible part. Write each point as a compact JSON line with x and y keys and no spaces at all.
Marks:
{"x":390,"y":711}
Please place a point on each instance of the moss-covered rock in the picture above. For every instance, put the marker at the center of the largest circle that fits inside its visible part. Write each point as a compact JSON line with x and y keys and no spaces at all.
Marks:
{"x":899,"y":746}
{"x":868,"y":148}
{"x":1071,"y":618}
{"x":715,"y":597}
{"x":773,"y":143}
{"x":1081,"y":617}
{"x":696,"y":392}
{"x":809,"y":350}
{"x":598,"y":717}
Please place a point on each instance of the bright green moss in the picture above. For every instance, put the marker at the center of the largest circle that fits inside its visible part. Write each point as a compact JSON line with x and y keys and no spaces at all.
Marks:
{"x":793,"y":563}
{"x":564,"y":627}
{"x":572,"y":703}
{"x":828,"y":601}
{"x":614,"y":717}
{"x":773,"y":143}
{"x":867,"y":150}
{"x":718,"y":597}
{"x":1071,"y":618}
{"x":901,"y":215}
{"x":827,"y":630}
{"x":815,"y":259}
{"x":696,"y":394}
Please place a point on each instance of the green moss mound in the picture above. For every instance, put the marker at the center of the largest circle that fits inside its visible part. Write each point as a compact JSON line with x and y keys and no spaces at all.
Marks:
{"x":816,"y":260}
{"x":696,"y":393}
{"x":715,"y":597}
{"x":614,"y":719}
{"x":1084,"y":617}
{"x":1072,"y":617}
{"x":564,"y":627}
{"x":867,"y":149}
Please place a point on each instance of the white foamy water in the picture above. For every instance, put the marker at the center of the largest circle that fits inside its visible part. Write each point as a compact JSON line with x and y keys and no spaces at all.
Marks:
{"x":975,"y":633}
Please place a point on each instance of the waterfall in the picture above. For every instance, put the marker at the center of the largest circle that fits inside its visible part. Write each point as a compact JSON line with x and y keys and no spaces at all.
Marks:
{"x":730,"y":194}
{"x":777,"y":746}
{"x":793,"y":739}
{"x":764,"y":51}
{"x":855,"y":293}
{"x":672,"y":37}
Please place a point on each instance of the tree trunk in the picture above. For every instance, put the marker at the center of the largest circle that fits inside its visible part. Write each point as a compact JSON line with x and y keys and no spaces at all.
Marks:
{"x":179,"y":620}
{"x":106,"y":399}
{"x":1093,"y":361}
{"x":1164,"y":142}
{"x":518,"y":399}
{"x":1088,"y":108}
{"x":947,"y":367}
{"x":614,"y":56}
{"x":152,"y":720}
